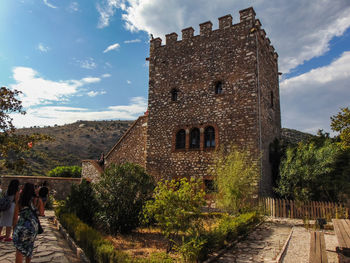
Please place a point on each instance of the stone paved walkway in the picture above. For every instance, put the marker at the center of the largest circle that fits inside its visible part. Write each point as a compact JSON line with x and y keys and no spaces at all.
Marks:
{"x":49,"y":246}
{"x":262,"y":245}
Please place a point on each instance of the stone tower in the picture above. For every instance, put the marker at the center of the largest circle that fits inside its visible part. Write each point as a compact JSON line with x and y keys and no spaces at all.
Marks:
{"x":214,"y":89}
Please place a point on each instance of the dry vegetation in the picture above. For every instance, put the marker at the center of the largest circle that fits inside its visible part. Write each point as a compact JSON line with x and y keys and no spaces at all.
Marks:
{"x":72,"y":143}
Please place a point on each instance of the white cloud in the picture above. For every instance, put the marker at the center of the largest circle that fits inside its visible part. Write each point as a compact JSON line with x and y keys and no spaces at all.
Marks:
{"x":112,"y":47}
{"x":107,"y":75}
{"x":48,"y":4}
{"x":42,"y":48}
{"x":88,"y":80}
{"x":88,"y":63}
{"x":95,"y":93}
{"x":309,"y":100}
{"x":36,"y":90}
{"x":50,"y":115}
{"x":73,"y":7}
{"x":128,"y":81}
{"x":106,"y":9}
{"x":299,"y":29}
{"x":132,"y":41}
{"x":108,"y":65}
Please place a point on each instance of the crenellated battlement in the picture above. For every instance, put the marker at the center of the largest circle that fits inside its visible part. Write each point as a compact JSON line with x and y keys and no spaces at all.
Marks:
{"x":247,"y":22}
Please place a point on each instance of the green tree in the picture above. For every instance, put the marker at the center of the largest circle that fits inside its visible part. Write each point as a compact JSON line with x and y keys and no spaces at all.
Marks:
{"x":9,"y":104}
{"x":12,"y":145}
{"x":236,"y":176}
{"x":317,"y":170}
{"x":66,"y":171}
{"x":341,"y":123}
{"x":176,"y":206}
{"x":82,"y":202}
{"x":121,"y":192}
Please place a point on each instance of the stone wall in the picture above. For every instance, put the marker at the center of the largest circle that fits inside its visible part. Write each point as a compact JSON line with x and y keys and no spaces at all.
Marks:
{"x":59,"y":187}
{"x":270,"y":116}
{"x":132,"y":146}
{"x":192,"y":66}
{"x":183,"y":79}
{"x":91,"y":170}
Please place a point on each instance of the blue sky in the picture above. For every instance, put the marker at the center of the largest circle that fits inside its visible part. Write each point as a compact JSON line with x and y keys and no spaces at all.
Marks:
{"x":85,"y":60}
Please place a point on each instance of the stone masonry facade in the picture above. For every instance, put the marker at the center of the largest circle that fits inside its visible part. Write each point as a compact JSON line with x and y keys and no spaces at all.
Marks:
{"x":208,"y":91}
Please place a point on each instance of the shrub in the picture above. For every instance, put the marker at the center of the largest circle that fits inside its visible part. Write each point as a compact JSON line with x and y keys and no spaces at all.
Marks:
{"x":191,"y":247}
{"x":121,"y":192}
{"x":175,"y":205}
{"x":228,"y":230}
{"x":82,"y":202}
{"x":66,"y":171}
{"x":96,"y":247}
{"x":315,"y":171}
{"x":236,"y":177}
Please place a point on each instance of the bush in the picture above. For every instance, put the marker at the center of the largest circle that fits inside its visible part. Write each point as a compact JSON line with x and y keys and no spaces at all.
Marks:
{"x":121,"y":192}
{"x":96,"y":247}
{"x":318,"y":170}
{"x":82,"y":202}
{"x":175,"y":205}
{"x":236,"y":178}
{"x":66,"y":171}
{"x":228,"y":230}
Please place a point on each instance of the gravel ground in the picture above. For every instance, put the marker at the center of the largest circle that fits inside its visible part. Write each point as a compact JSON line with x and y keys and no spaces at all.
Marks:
{"x":262,"y":245}
{"x":298,"y":248}
{"x":331,"y":244}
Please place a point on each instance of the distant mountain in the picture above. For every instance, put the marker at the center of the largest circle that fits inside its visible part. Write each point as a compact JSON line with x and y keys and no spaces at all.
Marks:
{"x":293,"y":136}
{"x":86,"y":140}
{"x":72,"y":143}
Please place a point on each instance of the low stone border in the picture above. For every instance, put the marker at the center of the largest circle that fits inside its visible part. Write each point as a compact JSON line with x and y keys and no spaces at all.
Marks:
{"x":284,"y":249}
{"x":77,"y":250}
{"x":230,"y":245}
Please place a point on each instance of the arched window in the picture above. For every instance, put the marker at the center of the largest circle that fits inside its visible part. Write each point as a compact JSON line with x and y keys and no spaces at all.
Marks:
{"x":174,"y":94}
{"x":194,"y":138}
{"x":209,"y":137}
{"x":218,"y":87}
{"x":180,"y":139}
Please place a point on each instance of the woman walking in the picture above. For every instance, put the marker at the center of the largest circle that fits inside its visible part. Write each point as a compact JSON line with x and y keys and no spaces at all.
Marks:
{"x":26,"y":229}
{"x":7,"y":218}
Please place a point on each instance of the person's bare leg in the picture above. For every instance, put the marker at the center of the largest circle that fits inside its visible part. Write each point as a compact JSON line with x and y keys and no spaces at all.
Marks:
{"x":0,"y":230}
{"x":28,"y":259}
{"x":8,"y":231}
{"x":19,"y":257}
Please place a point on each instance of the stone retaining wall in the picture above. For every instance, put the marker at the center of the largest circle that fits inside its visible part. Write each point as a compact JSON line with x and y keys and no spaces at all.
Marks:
{"x":58,"y":186}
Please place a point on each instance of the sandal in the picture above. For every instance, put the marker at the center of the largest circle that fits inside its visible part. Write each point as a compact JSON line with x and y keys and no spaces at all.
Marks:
{"x":9,"y":239}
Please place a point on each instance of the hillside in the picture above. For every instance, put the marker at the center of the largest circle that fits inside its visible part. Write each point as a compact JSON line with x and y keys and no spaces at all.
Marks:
{"x":72,"y":143}
{"x":292,"y":136}
{"x":86,"y":140}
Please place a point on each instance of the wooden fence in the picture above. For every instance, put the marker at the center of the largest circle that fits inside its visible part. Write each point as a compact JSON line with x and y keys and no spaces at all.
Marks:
{"x":311,"y":210}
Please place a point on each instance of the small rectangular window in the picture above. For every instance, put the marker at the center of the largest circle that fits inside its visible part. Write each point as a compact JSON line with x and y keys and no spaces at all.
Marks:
{"x":209,"y":186}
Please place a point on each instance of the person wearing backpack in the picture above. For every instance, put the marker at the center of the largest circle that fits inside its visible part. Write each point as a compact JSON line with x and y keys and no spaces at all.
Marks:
{"x":7,"y":216}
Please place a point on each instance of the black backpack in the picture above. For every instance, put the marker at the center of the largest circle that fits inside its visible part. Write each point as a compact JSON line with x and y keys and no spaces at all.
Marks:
{"x":5,"y":203}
